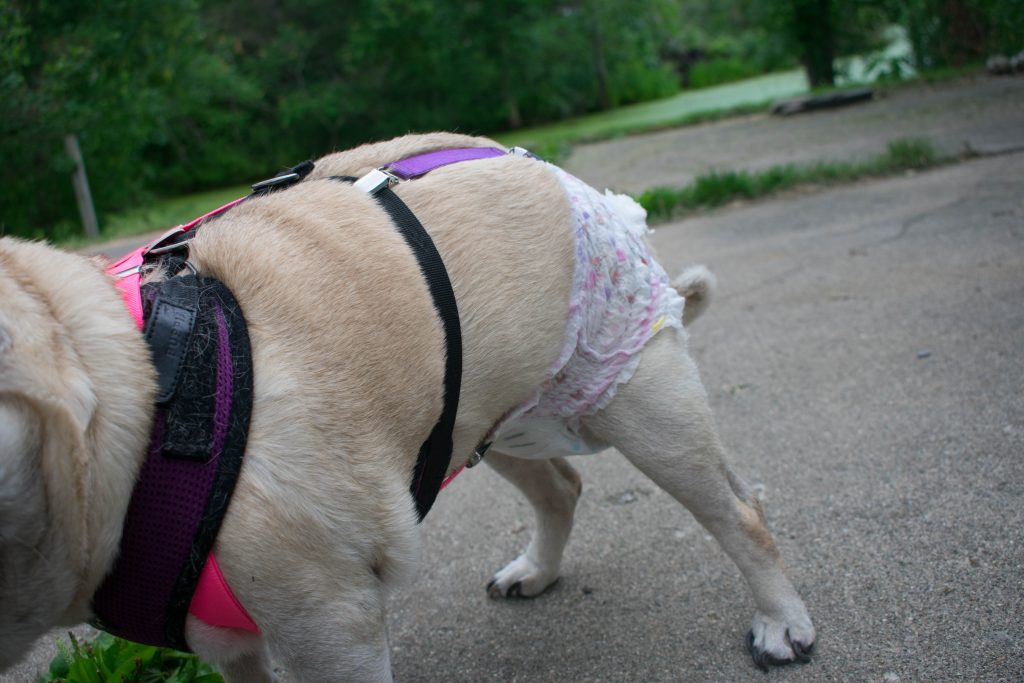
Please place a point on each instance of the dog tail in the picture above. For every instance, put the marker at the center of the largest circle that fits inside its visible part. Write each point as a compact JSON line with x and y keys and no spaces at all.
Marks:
{"x":696,"y":284}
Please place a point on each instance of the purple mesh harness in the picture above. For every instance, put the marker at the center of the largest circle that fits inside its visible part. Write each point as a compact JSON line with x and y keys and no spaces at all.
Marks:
{"x":200,"y":347}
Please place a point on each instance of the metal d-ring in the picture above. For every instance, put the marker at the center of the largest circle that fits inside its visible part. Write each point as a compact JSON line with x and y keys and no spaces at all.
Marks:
{"x":478,"y":453}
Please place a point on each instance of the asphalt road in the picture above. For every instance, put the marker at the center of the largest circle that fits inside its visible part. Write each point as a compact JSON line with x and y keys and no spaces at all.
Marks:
{"x":864,"y":358}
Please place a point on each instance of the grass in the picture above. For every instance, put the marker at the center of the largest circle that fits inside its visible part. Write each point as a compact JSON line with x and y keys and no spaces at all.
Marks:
{"x":721,"y":187}
{"x":160,"y":215}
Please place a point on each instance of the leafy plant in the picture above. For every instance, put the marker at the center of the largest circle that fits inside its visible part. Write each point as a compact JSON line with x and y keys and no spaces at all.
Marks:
{"x":107,"y":659}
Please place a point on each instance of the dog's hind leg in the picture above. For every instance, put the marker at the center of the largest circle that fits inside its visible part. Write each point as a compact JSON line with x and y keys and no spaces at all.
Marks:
{"x":240,"y":656}
{"x":660,"y":420}
{"x":552,"y":487}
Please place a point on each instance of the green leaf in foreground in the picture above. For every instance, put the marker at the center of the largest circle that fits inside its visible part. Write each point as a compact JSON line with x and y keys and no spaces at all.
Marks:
{"x":107,"y":659}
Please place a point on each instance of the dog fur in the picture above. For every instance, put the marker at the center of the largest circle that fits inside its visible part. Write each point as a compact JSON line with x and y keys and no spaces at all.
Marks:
{"x":348,"y":354}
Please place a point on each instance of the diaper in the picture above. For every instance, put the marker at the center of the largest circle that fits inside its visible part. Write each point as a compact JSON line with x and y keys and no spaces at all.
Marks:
{"x":621,"y":297}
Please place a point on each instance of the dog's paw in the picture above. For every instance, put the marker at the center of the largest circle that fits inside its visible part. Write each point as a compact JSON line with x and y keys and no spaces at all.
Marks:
{"x":774,"y":642}
{"x":521,"y":578}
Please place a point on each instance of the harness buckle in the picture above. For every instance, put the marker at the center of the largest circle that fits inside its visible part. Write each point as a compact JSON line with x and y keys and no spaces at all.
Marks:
{"x":163,"y":243}
{"x":284,"y":178}
{"x":376,"y":180}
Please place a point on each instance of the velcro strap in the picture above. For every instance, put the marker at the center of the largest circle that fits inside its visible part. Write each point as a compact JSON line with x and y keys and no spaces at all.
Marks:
{"x":168,"y":331}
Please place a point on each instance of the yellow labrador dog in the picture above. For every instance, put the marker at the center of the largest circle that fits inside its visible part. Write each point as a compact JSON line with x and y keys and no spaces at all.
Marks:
{"x":348,"y":353}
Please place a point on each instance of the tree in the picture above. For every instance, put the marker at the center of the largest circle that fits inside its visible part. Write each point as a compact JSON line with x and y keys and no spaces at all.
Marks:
{"x":120,"y":74}
{"x":811,"y":26}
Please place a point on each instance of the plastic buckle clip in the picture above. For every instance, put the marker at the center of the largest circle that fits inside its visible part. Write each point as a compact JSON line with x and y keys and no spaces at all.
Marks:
{"x":271,"y":183}
{"x":163,"y":243}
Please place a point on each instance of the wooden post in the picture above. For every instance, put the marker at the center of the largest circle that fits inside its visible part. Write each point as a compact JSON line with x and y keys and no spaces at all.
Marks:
{"x":81,"y":182}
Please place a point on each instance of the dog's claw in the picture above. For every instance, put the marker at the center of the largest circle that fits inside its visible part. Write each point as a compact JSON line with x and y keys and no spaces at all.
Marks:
{"x":759,"y":656}
{"x":764,"y":659}
{"x":513,"y":591}
{"x":802,"y":653}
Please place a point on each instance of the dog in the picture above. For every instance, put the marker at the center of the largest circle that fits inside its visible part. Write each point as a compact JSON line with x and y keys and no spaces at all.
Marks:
{"x":348,"y":355}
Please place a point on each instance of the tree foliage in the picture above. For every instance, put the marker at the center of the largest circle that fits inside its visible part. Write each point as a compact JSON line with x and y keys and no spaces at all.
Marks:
{"x":179,"y":95}
{"x":955,"y":32}
{"x":129,"y":78}
{"x":184,"y":94}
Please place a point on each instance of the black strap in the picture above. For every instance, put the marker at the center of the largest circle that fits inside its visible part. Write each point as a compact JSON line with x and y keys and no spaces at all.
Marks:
{"x":436,"y":452}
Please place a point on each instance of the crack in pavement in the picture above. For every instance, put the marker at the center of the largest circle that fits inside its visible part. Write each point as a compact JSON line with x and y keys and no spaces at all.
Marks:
{"x":906,"y":224}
